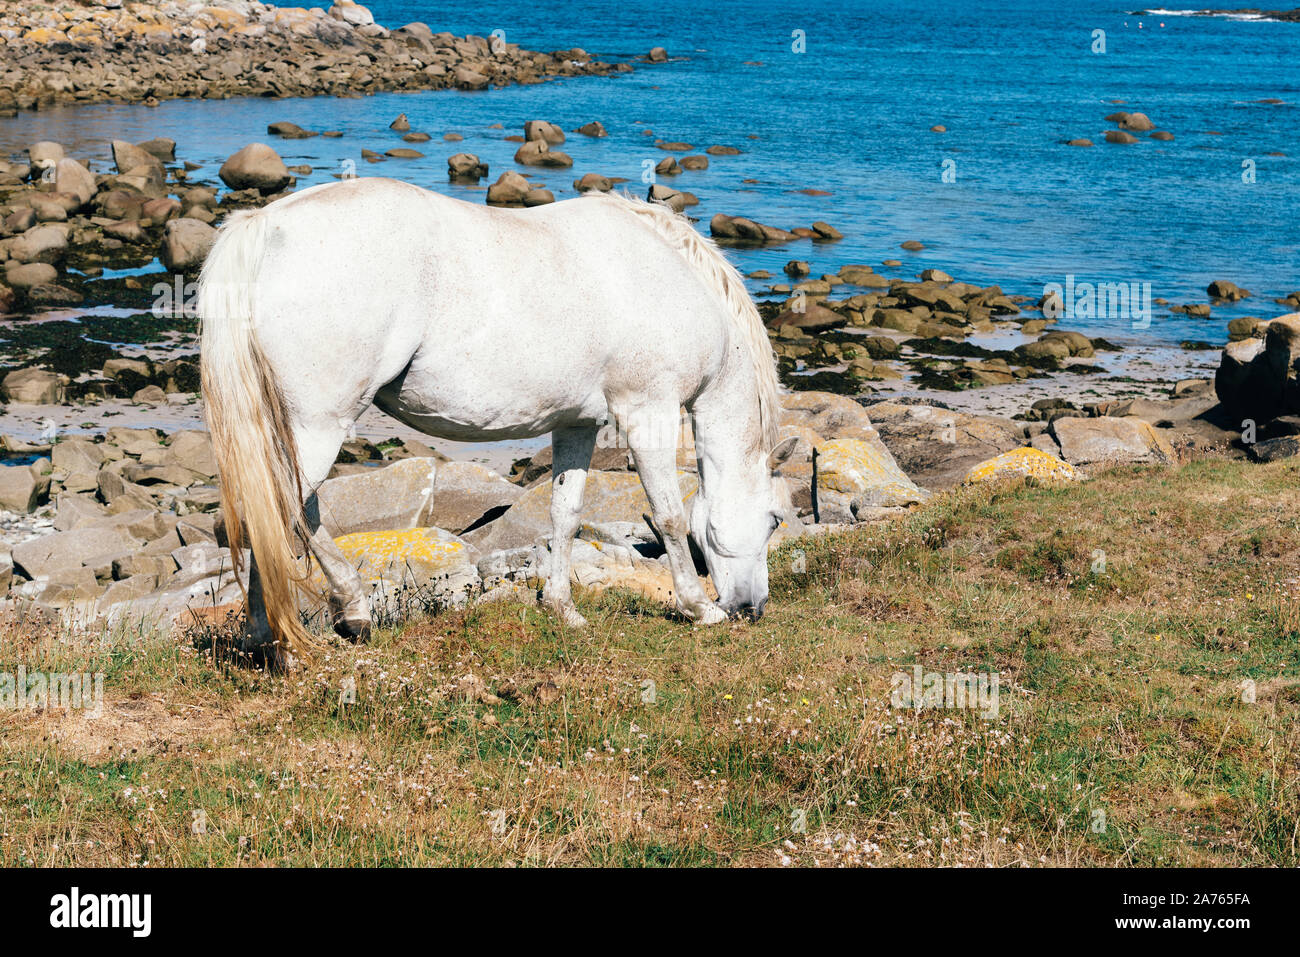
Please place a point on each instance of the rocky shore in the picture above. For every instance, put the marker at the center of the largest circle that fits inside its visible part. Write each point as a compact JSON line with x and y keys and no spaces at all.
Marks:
{"x":108,"y":520}
{"x":88,"y":50}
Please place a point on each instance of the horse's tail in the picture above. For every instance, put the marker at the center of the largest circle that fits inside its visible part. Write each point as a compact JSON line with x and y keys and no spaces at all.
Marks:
{"x":257,"y":455}
{"x":707,"y":259}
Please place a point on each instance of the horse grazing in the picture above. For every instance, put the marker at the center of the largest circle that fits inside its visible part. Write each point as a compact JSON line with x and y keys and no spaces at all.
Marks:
{"x":474,"y":323}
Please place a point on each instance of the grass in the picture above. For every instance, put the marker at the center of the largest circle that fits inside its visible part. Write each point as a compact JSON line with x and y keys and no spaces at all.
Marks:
{"x":1122,"y":617}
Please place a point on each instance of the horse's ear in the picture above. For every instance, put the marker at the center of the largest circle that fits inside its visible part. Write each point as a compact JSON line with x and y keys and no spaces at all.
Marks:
{"x":782,"y":452}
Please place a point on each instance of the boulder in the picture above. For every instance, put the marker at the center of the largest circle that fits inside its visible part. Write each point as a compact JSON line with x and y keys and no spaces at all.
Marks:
{"x":542,"y":130}
{"x":466,"y":167}
{"x":391,"y":497}
{"x":812,"y":317}
{"x":72,"y":178}
{"x":1021,"y":464}
{"x":594,"y":128}
{"x":34,"y":386}
{"x":92,"y":547}
{"x":938,"y":447}
{"x":28,"y":275}
{"x":609,"y":497}
{"x":127,"y":157}
{"x":20,"y":490}
{"x":44,"y":155}
{"x":351,"y":13}
{"x":256,"y":166}
{"x":435,"y":564}
{"x":40,"y":244}
{"x":539,"y":153}
{"x":185,"y":244}
{"x":1110,"y":440}
{"x":510,"y":189}
{"x":854,"y":475}
{"x":1226,"y":291}
{"x":1256,"y":378}
{"x":466,"y":494}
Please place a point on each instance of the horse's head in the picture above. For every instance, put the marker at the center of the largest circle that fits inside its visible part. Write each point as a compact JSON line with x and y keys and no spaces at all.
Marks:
{"x":732,"y":522}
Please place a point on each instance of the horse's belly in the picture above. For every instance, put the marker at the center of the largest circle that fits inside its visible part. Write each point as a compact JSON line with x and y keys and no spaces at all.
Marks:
{"x":449,"y":407}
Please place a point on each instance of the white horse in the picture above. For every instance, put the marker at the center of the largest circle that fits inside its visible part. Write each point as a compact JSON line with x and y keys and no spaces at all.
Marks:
{"x":474,"y":323}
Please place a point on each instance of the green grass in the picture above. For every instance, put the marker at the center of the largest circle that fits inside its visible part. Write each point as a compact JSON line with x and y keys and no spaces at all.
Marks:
{"x":1121,"y":738}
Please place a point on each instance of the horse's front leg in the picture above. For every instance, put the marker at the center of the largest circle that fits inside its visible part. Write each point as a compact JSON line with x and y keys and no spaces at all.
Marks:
{"x":656,"y":463}
{"x":571,"y":458}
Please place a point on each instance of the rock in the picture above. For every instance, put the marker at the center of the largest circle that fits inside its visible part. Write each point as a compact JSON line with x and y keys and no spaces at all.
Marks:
{"x":1163,"y":135}
{"x":256,"y":166}
{"x":1229,"y":292}
{"x":510,"y":189}
{"x":1021,"y":464}
{"x":72,"y":178}
{"x":185,"y":244}
{"x":1270,"y":450}
{"x":1256,"y":378}
{"x":695,"y":163}
{"x":467,"y":79}
{"x":826,"y":232}
{"x":192,"y":450}
{"x":401,"y":152}
{"x":25,"y":276}
{"x":351,"y":13}
{"x":938,"y":447}
{"x":539,"y":197}
{"x":1082,"y":141}
{"x":657,"y":55}
{"x":609,"y":497}
{"x":542,"y":130}
{"x":91,"y":547}
{"x":128,"y":157}
{"x":430,"y":559}
{"x":1119,"y":136}
{"x":813,"y":317}
{"x":594,"y":128}
{"x":539,"y":153}
{"x":466,"y":495}
{"x":289,"y":131}
{"x":912,"y":245}
{"x":392,"y":497}
{"x":1109,"y":440}
{"x":592,"y":181}
{"x":1138,"y":122}
{"x":44,"y":155}
{"x":20,"y":490}
{"x":34,"y":386}
{"x":738,"y":228}
{"x":40,"y":244}
{"x":466,"y":167}
{"x":401,"y":124}
{"x":854,"y":475}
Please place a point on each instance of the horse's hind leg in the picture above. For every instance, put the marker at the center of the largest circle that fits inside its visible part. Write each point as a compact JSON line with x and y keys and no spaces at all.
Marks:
{"x":317,"y":450}
{"x":571,"y":458}
{"x":347,"y":598}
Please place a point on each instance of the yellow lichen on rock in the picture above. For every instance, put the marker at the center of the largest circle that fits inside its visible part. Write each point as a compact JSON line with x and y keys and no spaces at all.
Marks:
{"x":853,"y":467}
{"x":1023,"y":463}
{"x":424,"y":552}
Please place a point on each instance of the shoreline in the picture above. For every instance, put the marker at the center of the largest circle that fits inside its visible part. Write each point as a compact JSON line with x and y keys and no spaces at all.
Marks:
{"x":101,"y":50}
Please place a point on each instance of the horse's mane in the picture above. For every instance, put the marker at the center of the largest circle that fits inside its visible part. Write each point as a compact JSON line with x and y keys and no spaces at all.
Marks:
{"x":703,"y":254}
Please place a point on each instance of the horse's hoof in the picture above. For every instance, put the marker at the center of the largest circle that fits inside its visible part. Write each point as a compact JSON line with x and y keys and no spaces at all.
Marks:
{"x":571,"y":618}
{"x":711,"y":615}
{"x":355,"y":630}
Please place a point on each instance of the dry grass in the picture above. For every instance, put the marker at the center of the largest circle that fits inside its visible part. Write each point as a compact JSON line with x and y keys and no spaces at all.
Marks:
{"x":496,"y":736}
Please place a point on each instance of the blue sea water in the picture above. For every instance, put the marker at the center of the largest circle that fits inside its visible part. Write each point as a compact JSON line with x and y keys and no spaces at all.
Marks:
{"x":851,"y":114}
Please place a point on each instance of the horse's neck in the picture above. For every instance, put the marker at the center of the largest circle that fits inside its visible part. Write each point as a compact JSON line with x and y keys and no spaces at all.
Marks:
{"x":725,"y":418}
